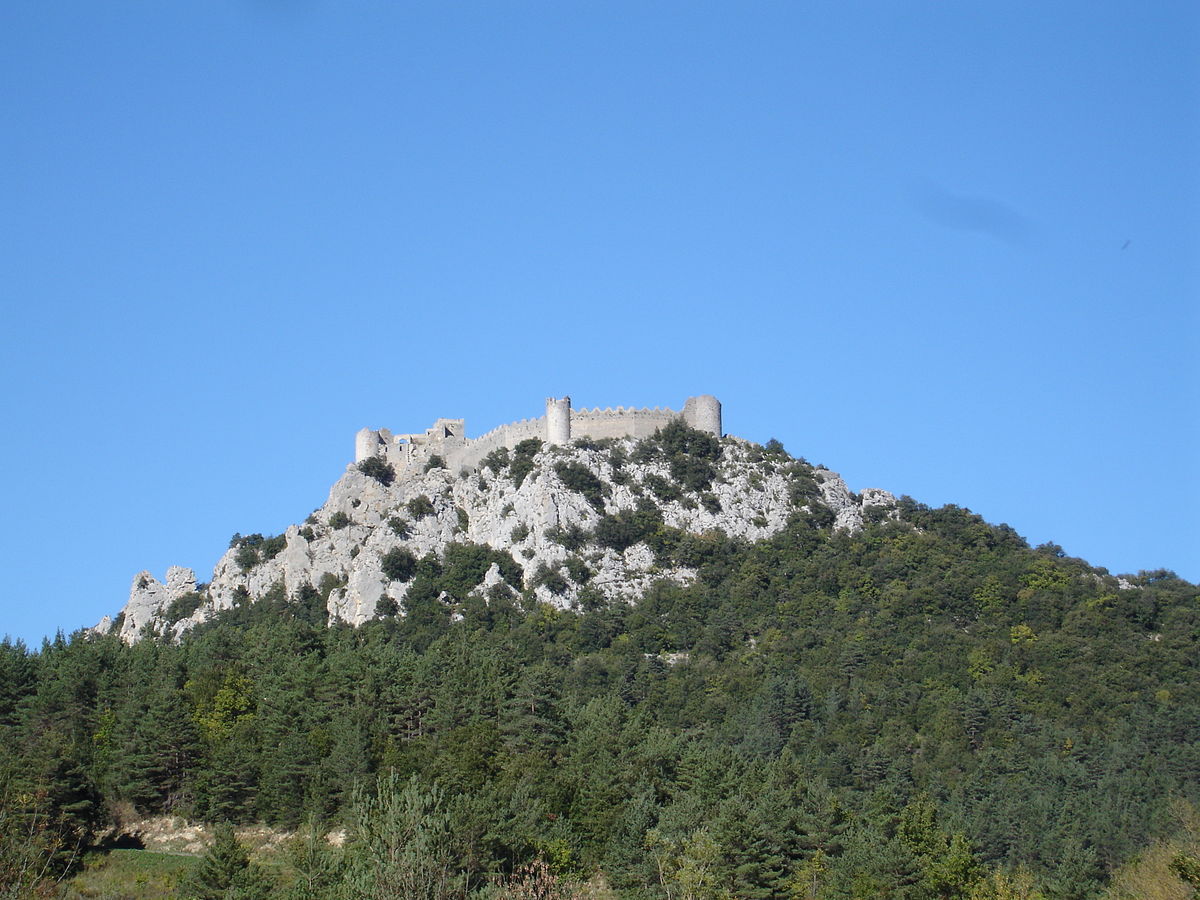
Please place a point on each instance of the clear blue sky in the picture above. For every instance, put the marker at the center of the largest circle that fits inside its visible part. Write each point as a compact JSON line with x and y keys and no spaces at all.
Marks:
{"x":947,"y":249}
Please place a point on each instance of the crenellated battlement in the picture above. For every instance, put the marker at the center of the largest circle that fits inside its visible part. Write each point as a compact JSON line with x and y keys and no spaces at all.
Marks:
{"x":625,"y":411}
{"x":447,"y":439}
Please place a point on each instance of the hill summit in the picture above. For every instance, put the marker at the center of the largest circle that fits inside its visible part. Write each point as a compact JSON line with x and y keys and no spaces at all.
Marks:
{"x":573,"y":504}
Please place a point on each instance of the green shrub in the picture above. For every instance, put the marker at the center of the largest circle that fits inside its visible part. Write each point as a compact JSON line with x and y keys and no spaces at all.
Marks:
{"x":691,"y":454}
{"x":571,"y":538}
{"x":692,"y":472}
{"x":226,"y":871}
{"x":587,"y":443}
{"x":820,"y":516}
{"x":661,"y":488}
{"x":551,"y":579}
{"x":710,"y":503}
{"x":464,"y":520}
{"x":464,"y":565}
{"x":803,"y":488}
{"x":245,"y":540}
{"x":399,"y":564}
{"x":330,"y":583}
{"x":182,"y":607}
{"x":399,"y":527}
{"x":420,"y":506}
{"x":579,"y":478}
{"x":498,"y":460}
{"x":522,"y":460}
{"x":519,"y":533}
{"x":435,"y":462}
{"x":271,"y":547}
{"x":246,"y":558}
{"x":678,"y":438}
{"x":339,"y":520}
{"x":578,"y":570}
{"x":623,"y":529}
{"x":377,"y":468}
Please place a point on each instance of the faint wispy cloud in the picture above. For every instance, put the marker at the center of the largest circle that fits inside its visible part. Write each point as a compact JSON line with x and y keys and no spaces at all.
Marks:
{"x":979,"y":214}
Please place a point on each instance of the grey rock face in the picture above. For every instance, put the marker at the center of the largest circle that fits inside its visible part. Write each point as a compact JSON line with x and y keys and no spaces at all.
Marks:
{"x":341,"y":548}
{"x":150,"y":598}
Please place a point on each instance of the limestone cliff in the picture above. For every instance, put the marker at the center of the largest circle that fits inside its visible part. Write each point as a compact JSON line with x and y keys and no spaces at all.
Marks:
{"x":532,"y":506}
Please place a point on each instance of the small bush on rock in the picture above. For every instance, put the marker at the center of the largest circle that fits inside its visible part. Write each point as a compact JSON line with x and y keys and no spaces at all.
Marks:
{"x":580,"y":479}
{"x":522,"y":462}
{"x":381,"y":471}
{"x":420,"y":506}
{"x":399,"y":564}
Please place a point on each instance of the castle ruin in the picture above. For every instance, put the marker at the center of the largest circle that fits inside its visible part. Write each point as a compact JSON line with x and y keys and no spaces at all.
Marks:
{"x":447,"y":438}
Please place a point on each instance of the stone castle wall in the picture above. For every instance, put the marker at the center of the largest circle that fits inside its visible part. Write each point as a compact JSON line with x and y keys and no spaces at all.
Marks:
{"x":447,"y":439}
{"x":620,"y":422}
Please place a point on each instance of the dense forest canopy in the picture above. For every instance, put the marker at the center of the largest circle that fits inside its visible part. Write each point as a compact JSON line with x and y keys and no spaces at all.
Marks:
{"x":928,"y":708}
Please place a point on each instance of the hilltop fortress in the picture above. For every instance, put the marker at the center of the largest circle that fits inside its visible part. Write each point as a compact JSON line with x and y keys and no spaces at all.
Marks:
{"x":447,"y":439}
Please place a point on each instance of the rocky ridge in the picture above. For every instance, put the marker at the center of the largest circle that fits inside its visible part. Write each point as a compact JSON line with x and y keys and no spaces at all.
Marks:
{"x":534,"y":504}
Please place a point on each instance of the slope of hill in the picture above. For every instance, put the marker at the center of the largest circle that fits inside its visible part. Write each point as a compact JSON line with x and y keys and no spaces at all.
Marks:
{"x":681,"y":667}
{"x":550,"y":513}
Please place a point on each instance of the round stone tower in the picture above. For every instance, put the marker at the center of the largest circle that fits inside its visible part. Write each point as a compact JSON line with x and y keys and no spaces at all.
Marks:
{"x":558,"y":420}
{"x":366,"y":444}
{"x":703,"y":413}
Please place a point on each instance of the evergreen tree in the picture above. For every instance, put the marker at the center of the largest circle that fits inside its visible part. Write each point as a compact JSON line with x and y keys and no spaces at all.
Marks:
{"x":225,"y":872}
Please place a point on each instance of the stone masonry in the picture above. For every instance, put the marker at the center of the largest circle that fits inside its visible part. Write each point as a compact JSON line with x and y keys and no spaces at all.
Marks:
{"x":447,"y":437}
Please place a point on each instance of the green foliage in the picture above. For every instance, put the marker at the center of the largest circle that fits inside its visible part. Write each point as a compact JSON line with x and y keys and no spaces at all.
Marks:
{"x":399,"y":564}
{"x":522,"y":459}
{"x":572,"y":538}
{"x":182,"y":607}
{"x":131,"y":875}
{"x":254,"y":548}
{"x":464,"y":565}
{"x":579,"y":478}
{"x":550,"y":578}
{"x":399,"y":527}
{"x":624,"y":528}
{"x":519,"y":533}
{"x":690,"y":454}
{"x":317,"y":869}
{"x":924,"y":709}
{"x":664,"y":490}
{"x":464,"y":520}
{"x":419,"y":507}
{"x":339,"y":520}
{"x":375,"y":467}
{"x":248,"y":546}
{"x":578,"y":570}
{"x":1187,"y":867}
{"x":435,"y":462}
{"x":498,"y":460}
{"x":402,"y":843}
{"x":225,"y":872}
{"x":32,"y":844}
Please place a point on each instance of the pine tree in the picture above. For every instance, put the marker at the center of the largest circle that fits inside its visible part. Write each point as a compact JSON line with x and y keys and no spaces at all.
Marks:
{"x":225,"y":872}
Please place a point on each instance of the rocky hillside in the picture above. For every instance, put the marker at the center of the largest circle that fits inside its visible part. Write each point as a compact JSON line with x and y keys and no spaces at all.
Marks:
{"x":555,"y":521}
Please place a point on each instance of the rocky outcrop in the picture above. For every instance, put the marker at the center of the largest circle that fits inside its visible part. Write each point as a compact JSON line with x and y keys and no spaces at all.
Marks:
{"x":340,"y":550}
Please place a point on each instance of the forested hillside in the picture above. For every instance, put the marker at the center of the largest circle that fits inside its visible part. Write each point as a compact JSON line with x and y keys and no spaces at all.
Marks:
{"x":925,"y":708}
